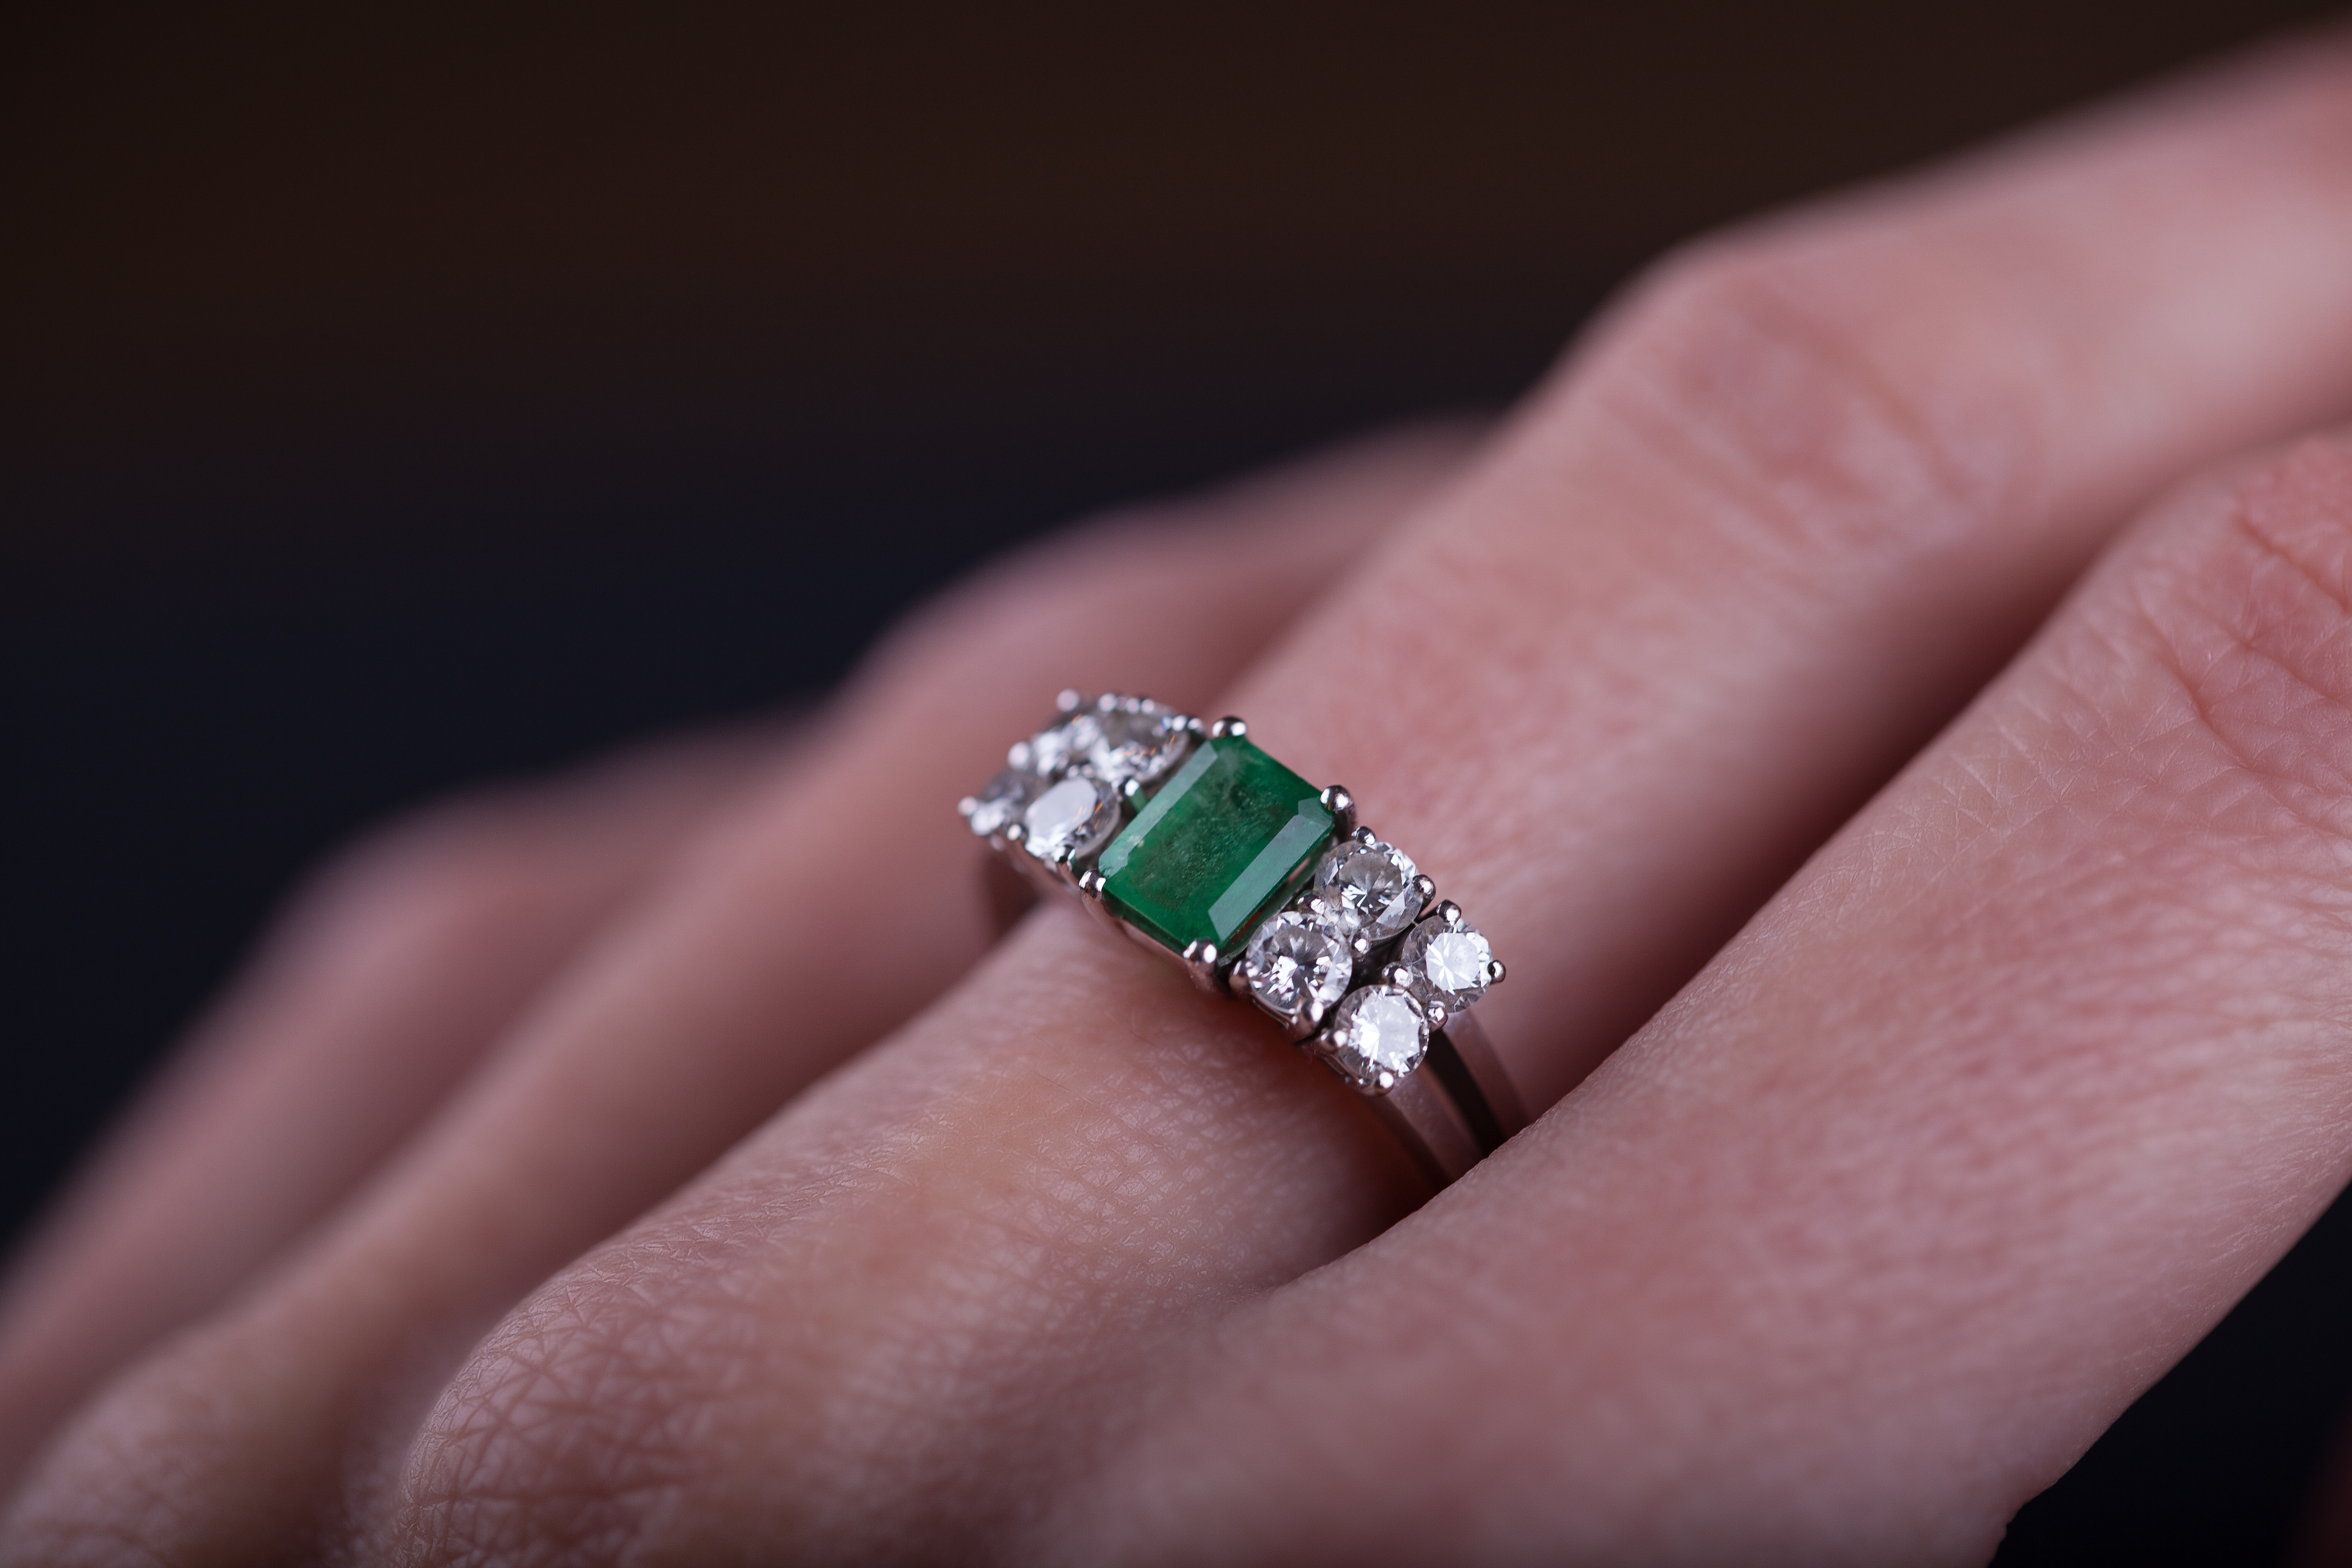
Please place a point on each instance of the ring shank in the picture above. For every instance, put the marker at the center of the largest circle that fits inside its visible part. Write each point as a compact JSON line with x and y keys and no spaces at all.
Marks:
{"x":1458,"y":1106}
{"x":1424,"y":1118}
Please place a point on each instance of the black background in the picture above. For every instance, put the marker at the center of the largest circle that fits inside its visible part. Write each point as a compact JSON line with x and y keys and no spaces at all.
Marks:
{"x":393,"y":400}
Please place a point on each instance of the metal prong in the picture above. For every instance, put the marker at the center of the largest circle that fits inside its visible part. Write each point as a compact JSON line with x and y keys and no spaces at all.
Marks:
{"x":1090,"y":885}
{"x":1342,"y":807}
{"x":1130,"y":790}
{"x":1200,"y":964}
{"x":1427,"y":889}
{"x":1297,"y":1027}
{"x":1068,"y":700}
{"x":1450,"y":912}
{"x":1366,"y":836}
{"x":1110,"y":702}
{"x":1226,"y":727}
{"x":1012,"y":833}
{"x":1494,"y":971}
{"x":1398,"y":975}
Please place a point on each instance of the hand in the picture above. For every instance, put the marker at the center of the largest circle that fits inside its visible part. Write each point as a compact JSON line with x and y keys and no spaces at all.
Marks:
{"x":665,"y":1166}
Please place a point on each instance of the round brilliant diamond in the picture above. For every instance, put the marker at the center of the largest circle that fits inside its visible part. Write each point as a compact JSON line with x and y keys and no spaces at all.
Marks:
{"x":1001,"y":801}
{"x":1377,"y":1035}
{"x":1296,"y":967}
{"x":1448,"y":962}
{"x":1139,"y":744}
{"x":1368,"y":888}
{"x":1054,"y":748}
{"x":1074,"y":818}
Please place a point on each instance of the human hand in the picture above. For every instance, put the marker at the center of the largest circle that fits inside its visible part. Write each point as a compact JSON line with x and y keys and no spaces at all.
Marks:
{"x":1996,"y":1104}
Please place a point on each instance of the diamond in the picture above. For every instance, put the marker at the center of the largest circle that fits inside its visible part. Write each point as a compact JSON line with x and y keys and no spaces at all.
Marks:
{"x":1377,"y":1035}
{"x":1051,"y":750}
{"x":1368,"y":888}
{"x":1296,"y":967}
{"x":1226,"y":839}
{"x":1140,"y":742}
{"x":1449,"y":960}
{"x":1001,"y":801}
{"x":1071,"y":820}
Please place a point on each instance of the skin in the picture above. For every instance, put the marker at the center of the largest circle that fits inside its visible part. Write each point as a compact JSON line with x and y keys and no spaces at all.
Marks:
{"x":1969,"y":1023}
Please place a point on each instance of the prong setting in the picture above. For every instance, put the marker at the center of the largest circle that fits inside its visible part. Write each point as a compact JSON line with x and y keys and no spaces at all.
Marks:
{"x":1200,"y":961}
{"x":1342,"y":807}
{"x":1351,"y":952}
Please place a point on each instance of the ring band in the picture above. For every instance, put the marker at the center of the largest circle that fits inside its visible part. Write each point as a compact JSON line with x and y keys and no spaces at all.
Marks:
{"x":1191,"y":840}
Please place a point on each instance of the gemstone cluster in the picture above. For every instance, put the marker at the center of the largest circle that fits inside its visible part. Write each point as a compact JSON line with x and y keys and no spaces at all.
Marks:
{"x":1190,"y":838}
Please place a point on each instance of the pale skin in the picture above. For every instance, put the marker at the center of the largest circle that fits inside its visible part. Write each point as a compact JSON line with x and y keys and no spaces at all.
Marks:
{"x":663,"y":1166}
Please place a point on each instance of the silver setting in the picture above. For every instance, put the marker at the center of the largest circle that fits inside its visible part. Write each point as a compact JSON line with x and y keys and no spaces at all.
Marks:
{"x":1200,"y":961}
{"x":1360,"y":966}
{"x":1342,"y":807}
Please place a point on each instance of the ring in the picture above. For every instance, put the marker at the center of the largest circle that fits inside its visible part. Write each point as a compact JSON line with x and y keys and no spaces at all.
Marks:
{"x":1191,"y":840}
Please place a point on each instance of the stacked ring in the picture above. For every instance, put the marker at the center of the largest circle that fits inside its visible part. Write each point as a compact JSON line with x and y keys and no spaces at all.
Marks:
{"x":1190,"y":840}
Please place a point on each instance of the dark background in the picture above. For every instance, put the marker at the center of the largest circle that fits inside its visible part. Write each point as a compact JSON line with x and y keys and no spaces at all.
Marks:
{"x":391,"y":401}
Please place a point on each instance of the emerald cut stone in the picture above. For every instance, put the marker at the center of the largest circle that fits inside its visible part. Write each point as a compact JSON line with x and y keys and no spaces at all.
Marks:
{"x":1224,"y":840}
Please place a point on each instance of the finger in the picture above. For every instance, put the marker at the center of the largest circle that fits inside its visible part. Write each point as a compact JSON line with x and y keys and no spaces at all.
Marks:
{"x":825,"y":836}
{"x":379,"y":990}
{"x":1982,"y":1124}
{"x":1677,"y":647}
{"x":1798,"y":499}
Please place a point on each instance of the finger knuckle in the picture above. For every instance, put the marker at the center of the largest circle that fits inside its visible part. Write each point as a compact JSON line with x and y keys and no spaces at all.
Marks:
{"x":438,"y":886}
{"x":145,"y":1474}
{"x":1756,"y":376}
{"x":2243,"y":615}
{"x":580,"y":1429}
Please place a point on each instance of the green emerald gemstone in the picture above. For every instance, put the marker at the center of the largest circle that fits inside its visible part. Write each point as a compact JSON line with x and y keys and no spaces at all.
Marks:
{"x":1219,"y":845}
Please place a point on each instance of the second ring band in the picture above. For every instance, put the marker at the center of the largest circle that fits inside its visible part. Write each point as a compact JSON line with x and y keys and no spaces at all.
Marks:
{"x":1195,"y":842}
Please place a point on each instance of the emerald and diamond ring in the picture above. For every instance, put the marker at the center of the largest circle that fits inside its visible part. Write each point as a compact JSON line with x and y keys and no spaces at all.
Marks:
{"x":1193,"y":841}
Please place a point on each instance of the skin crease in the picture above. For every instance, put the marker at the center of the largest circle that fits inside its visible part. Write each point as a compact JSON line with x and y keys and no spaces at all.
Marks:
{"x":1794,"y":497}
